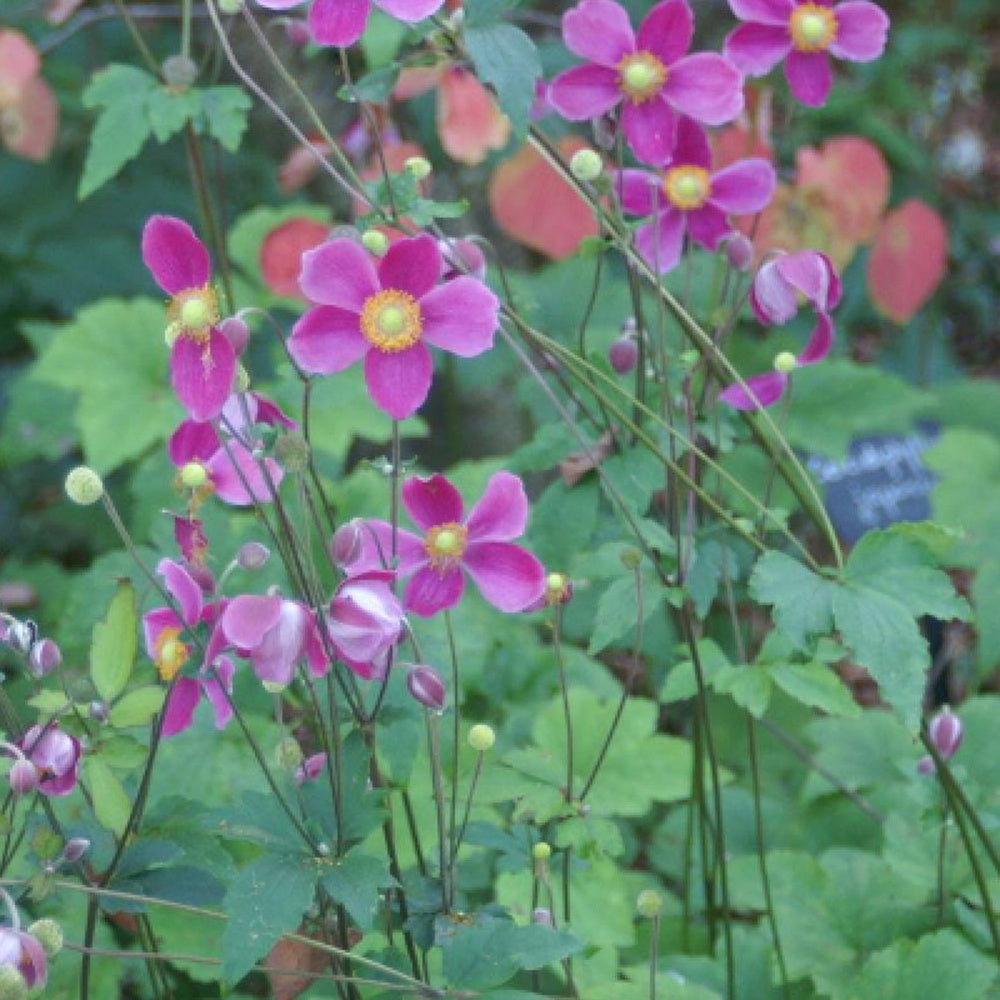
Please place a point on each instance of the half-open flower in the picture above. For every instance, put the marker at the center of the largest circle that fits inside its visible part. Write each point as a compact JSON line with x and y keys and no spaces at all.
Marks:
{"x":365,"y":621}
{"x":55,"y":755}
{"x":22,"y":951}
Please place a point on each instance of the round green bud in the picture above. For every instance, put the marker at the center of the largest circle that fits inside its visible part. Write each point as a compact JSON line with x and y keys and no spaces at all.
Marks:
{"x":289,"y":753}
{"x":230,"y":6}
{"x":785,"y":362}
{"x":481,"y":737}
{"x":586,"y":165}
{"x":12,"y":984}
{"x":273,"y":687}
{"x":375,"y":242}
{"x":541,"y":851}
{"x":631,"y":558}
{"x":194,"y":475}
{"x":84,"y":486}
{"x":48,"y":934}
{"x":179,"y":71}
{"x":649,"y":903}
{"x":418,"y":166}
{"x":292,"y":451}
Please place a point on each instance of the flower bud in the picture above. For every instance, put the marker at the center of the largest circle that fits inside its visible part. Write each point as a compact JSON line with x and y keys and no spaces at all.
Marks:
{"x":345,"y":546}
{"x":252,"y":556}
{"x":98,"y":710}
{"x":289,"y":753}
{"x":418,"y":167}
{"x":297,"y":32}
{"x":75,"y":849}
{"x":236,"y":332}
{"x":946,"y":732}
{"x":631,"y":558}
{"x":541,"y":851}
{"x":481,"y":737}
{"x":21,"y":636}
{"x":623,"y":354}
{"x":558,"y":588}
{"x":426,"y":686}
{"x":84,"y":486}
{"x":12,"y":984}
{"x":375,"y":242}
{"x":586,"y":165}
{"x":44,"y":657}
{"x":739,"y":252}
{"x":193,"y":475}
{"x":785,"y":362}
{"x":649,"y":903}
{"x":23,"y":777}
{"x":179,"y":71}
{"x":541,"y":915}
{"x":48,"y":934}
{"x":292,"y":451}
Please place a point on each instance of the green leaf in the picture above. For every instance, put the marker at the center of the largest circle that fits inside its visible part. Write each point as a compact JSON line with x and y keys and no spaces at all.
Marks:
{"x":816,"y":685}
{"x":112,"y":805}
{"x":170,"y":110}
{"x":114,"y":643}
{"x":122,"y":127}
{"x":264,"y":901}
{"x":506,"y":57}
{"x":356,"y":880}
{"x":803,"y":605}
{"x":224,"y":110}
{"x":137,"y":707}
{"x":375,"y":86}
{"x":618,"y":611}
{"x":749,"y":687}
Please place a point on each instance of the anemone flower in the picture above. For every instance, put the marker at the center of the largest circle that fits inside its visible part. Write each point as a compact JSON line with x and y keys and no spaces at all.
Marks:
{"x":55,"y":755}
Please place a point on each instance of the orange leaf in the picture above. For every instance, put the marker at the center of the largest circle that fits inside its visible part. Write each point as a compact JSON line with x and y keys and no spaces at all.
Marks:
{"x":533,"y":204}
{"x":19,"y":62}
{"x":908,"y":259}
{"x":468,"y":120}
{"x":282,"y":250}
{"x":29,"y":126}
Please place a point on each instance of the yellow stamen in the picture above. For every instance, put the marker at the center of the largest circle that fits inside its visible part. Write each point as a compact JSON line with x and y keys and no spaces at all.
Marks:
{"x":445,"y":544}
{"x":813,"y":27}
{"x":687,"y":187}
{"x":391,"y":320}
{"x":169,"y":653}
{"x":194,"y":311}
{"x":641,"y":76}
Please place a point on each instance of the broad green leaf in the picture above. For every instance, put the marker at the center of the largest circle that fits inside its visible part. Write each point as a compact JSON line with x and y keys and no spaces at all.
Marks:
{"x":225,"y":110}
{"x":49,"y":703}
{"x":114,"y":643}
{"x":111,"y":803}
{"x":264,"y":901}
{"x":749,"y":687}
{"x":802,"y":600}
{"x":137,"y":708}
{"x":506,"y":57}
{"x":618,"y":610}
{"x":356,"y":881}
{"x":816,"y":685}
{"x":170,"y":110}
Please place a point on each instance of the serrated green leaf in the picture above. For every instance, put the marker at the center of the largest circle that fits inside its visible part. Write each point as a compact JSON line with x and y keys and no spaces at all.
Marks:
{"x":137,"y":708}
{"x":749,"y":687}
{"x":112,"y":805}
{"x":375,"y":86}
{"x":356,"y":881}
{"x":264,"y":901}
{"x":802,"y":600}
{"x":50,"y":703}
{"x":114,"y":644}
{"x":618,"y":611}
{"x":170,"y":110}
{"x":224,"y":110}
{"x":816,"y":685}
{"x":506,"y":57}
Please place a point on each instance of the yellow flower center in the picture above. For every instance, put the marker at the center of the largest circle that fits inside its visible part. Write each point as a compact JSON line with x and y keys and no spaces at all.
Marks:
{"x":556,"y":587}
{"x":391,"y":320}
{"x":687,"y":188}
{"x":193,"y":312}
{"x":169,"y":653}
{"x":445,"y":544}
{"x":641,"y":76}
{"x":785,"y":362}
{"x":813,"y":27}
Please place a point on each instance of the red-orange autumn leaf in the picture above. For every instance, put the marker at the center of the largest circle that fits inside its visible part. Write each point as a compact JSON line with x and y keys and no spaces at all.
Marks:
{"x":469,"y":122}
{"x":908,"y":259}
{"x":282,"y":250}
{"x":533,"y":204}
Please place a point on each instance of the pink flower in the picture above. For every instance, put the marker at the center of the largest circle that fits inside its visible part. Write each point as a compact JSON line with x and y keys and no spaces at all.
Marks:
{"x":648,"y":70}
{"x":55,"y":756}
{"x":202,"y":359}
{"x":774,"y":298}
{"x":310,"y":769}
{"x":343,"y":22}
{"x":509,"y":577}
{"x":385,"y":313}
{"x":23,"y":951}
{"x":686,"y":197}
{"x":365,"y":621}
{"x":946,"y":732}
{"x":804,"y":32}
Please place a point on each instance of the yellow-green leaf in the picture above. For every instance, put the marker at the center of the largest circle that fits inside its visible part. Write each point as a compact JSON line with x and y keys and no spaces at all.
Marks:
{"x":114,"y":642}
{"x":111,"y":803}
{"x":137,"y":707}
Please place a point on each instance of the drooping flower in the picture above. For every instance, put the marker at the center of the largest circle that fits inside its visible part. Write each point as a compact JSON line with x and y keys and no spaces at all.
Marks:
{"x":23,"y":952}
{"x":686,"y":197}
{"x":774,"y":298}
{"x":385,"y":314}
{"x":648,"y":71}
{"x":805,"y":33}
{"x":343,"y":22}
{"x":945,"y":732}
{"x":365,"y":621}
{"x":55,"y":756}
{"x":508,"y":576}
{"x":202,"y":359}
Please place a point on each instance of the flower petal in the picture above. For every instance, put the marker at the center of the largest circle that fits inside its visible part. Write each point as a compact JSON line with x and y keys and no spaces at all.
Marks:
{"x":584,"y":92}
{"x":756,"y":49}
{"x":509,"y":577}
{"x":183,"y":589}
{"x":763,"y":11}
{"x":809,"y":77}
{"x":651,"y":130}
{"x":666,"y":31}
{"x":707,"y":226}
{"x":813,"y":275}
{"x":176,"y":257}
{"x":238,"y":478}
{"x":862,"y":31}
{"x":182,"y":700}
{"x":820,"y":341}
{"x":399,"y":382}
{"x":249,"y":617}
{"x":745,"y":187}
{"x":432,"y":501}
{"x":202,"y":374}
{"x":279,"y":4}
{"x":431,"y":591}
{"x":193,"y":441}
{"x":410,"y":11}
{"x":339,"y":273}
{"x":411,"y":265}
{"x":638,"y":191}
{"x":376,"y":549}
{"x":326,"y":340}
{"x":154,"y":622}
{"x":706,"y":87}
{"x":692,"y":145}
{"x":215,"y":685}
{"x":599,"y":31}
{"x":338,"y":22}
{"x":765,"y":390}
{"x":502,"y":511}
{"x":460,"y":316}
{"x":661,"y":242}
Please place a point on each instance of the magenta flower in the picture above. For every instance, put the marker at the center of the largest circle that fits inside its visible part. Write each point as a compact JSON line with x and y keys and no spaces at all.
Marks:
{"x":343,"y":22}
{"x":686,"y":197}
{"x":509,"y":577}
{"x":24,"y":952}
{"x":774,"y":298}
{"x":805,"y":32}
{"x":385,"y":314}
{"x":648,"y":70}
{"x":202,"y":359}
{"x":55,"y":756}
{"x":365,"y":621}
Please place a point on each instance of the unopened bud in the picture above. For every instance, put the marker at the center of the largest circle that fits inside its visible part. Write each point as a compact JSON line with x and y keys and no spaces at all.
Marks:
{"x":623,"y":355}
{"x":289,"y":753}
{"x":236,"y":332}
{"x":586,"y":165}
{"x":21,"y":636}
{"x":649,"y":903}
{"x":541,"y":851}
{"x":179,"y":71}
{"x":98,"y":711}
{"x":481,"y":737}
{"x":418,"y":167}
{"x":253,"y":555}
{"x":297,"y":32}
{"x":84,"y":486}
{"x":541,"y":915}
{"x":75,"y":849}
{"x":739,"y":252}
{"x":12,"y":984}
{"x":946,"y":732}
{"x":292,"y":451}
{"x":375,"y":242}
{"x":44,"y":657}
{"x":48,"y":934}
{"x":426,"y":686}
{"x":345,"y":546}
{"x":23,"y":777}
{"x":785,"y":362}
